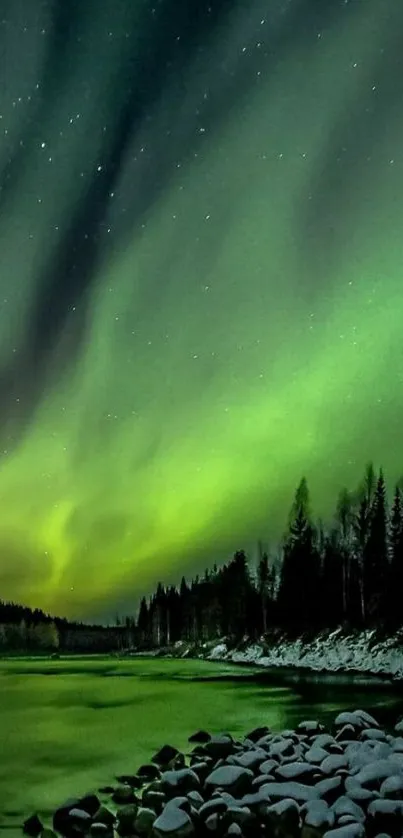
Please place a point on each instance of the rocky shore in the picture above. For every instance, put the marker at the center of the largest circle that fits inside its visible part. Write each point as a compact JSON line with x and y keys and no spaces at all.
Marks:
{"x":345,"y":782}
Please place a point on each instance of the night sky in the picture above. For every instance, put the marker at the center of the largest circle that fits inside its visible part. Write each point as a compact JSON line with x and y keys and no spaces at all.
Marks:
{"x":201,"y":292}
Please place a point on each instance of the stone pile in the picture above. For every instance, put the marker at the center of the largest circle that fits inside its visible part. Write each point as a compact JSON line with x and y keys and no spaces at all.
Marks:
{"x":302,"y":783}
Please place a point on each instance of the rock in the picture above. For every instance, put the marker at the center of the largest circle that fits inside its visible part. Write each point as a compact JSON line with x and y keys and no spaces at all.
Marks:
{"x":282,"y":819}
{"x":108,"y":789}
{"x":399,"y":727}
{"x":316,"y":755}
{"x":372,"y":775}
{"x":234,"y":829}
{"x":220,"y":745}
{"x":101,"y":830}
{"x":310,"y":728}
{"x":268,"y":766}
{"x":200,"y":736}
{"x":317,"y":818}
{"x":185,"y":779}
{"x":367,"y":718}
{"x":347,"y":733}
{"x":231,"y":778}
{"x":202,"y":769}
{"x":373,"y":733}
{"x":213,"y":822}
{"x":89,"y":803}
{"x":257,"y":733}
{"x":123,"y":794}
{"x":302,"y":771}
{"x":144,"y":821}
{"x":131,"y":780}
{"x":196,"y":799}
{"x":212,"y":807}
{"x":126,"y":817}
{"x":71,"y":818}
{"x":295,"y":791}
{"x":104,"y":815}
{"x":165,"y":755}
{"x":148,"y":772}
{"x":80,"y":821}
{"x":249,"y":759}
{"x":242,"y":816}
{"x":173,"y":821}
{"x":281,"y":749}
{"x":33,"y":826}
{"x":385,"y":816}
{"x":333,"y":762}
{"x":329,"y":789}
{"x":353,"y":830}
{"x":354,"y":719}
{"x":153,"y":800}
{"x":392,"y":787}
{"x":345,"y":806}
{"x":327,"y":742}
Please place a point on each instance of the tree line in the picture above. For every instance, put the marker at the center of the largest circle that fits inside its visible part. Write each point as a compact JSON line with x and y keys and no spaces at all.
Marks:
{"x":350,"y":573}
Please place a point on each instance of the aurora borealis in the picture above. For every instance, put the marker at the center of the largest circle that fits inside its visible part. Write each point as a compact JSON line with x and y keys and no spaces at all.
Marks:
{"x":201,"y":280}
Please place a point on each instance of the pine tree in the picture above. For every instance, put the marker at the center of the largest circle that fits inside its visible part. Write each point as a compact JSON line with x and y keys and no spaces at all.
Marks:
{"x":298,"y":599}
{"x":375,"y":554}
{"x":394,"y":611}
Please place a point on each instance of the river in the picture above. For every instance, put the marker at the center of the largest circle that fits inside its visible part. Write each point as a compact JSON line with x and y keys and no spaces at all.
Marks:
{"x":68,"y":726}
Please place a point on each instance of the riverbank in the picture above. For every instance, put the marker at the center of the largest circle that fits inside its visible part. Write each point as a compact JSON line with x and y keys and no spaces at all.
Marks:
{"x":341,"y":781}
{"x":367,"y":652}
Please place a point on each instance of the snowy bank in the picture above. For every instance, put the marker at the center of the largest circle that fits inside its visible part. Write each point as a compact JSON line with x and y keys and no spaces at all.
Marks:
{"x":327,"y":652}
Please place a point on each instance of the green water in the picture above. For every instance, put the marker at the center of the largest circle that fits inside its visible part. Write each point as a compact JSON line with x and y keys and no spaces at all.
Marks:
{"x":69,"y":726}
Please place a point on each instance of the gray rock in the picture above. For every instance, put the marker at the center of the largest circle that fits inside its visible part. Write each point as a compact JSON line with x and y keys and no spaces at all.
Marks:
{"x":310,"y":728}
{"x":100,"y":830}
{"x":249,"y":759}
{"x":392,"y":787}
{"x":220,"y":745}
{"x":165,"y":755}
{"x":104,"y":815}
{"x":212,"y":807}
{"x":385,"y":816}
{"x":185,"y":779}
{"x":232,"y":778}
{"x":200,"y":736}
{"x":123,"y":794}
{"x":173,"y":821}
{"x":333,"y":762}
{"x":282,"y":818}
{"x":302,"y":771}
{"x":126,"y":817}
{"x":316,"y":755}
{"x":144,"y":821}
{"x":345,"y":806}
{"x":353,"y":830}
{"x":257,"y":733}
{"x":33,"y":826}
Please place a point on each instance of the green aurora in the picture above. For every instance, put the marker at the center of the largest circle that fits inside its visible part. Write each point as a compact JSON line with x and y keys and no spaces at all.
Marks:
{"x":244,"y":330}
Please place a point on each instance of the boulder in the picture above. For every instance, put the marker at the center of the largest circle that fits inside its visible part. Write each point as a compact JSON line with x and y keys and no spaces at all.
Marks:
{"x":257,"y":733}
{"x":200,"y":736}
{"x":165,"y":755}
{"x":33,"y":826}
{"x":126,"y":817}
{"x":144,"y":821}
{"x":173,"y":821}
{"x":231,"y":778}
{"x":184,"y":779}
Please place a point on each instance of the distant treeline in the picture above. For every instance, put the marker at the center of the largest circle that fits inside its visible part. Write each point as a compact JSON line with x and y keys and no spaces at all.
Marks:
{"x":348,"y":574}
{"x":23,"y":630}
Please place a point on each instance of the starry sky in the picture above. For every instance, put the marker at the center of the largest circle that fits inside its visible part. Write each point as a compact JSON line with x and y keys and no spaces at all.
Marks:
{"x":200,"y":280}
